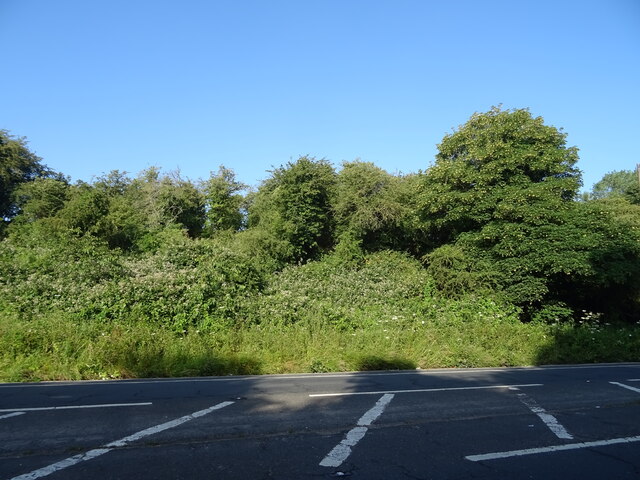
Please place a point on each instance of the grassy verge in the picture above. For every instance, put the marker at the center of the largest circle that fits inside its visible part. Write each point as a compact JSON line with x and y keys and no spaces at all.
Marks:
{"x":56,"y":347}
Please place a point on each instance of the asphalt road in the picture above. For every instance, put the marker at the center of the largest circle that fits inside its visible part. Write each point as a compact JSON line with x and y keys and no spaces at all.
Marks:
{"x":546,"y":422}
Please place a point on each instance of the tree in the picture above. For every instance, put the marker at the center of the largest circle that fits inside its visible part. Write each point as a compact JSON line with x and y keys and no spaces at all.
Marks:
{"x":370,"y":207}
{"x":294,"y":205}
{"x":168,"y":199}
{"x":609,"y":237}
{"x":500,"y":165}
{"x":223,"y":203}
{"x":502,"y":189}
{"x":116,"y":209}
{"x":622,"y":183}
{"x":40,"y":198}
{"x":17,"y":166}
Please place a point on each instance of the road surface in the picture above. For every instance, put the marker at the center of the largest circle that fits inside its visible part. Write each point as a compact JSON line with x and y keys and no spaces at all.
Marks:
{"x":556,"y":422}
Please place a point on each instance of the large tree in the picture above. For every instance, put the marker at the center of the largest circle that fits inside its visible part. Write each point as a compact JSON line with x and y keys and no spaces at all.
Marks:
{"x":18,"y":165}
{"x":500,"y":194}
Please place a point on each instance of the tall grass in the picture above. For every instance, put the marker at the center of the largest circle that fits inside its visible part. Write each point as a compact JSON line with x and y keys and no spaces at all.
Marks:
{"x":380,"y":312}
{"x":52,"y":347}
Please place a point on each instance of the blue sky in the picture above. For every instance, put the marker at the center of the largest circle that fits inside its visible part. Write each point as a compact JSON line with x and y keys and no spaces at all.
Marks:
{"x":109,"y":84}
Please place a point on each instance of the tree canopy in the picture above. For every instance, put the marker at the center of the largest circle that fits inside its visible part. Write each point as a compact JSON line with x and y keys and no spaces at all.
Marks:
{"x":623,"y":183}
{"x":295,"y":205}
{"x":500,"y":199}
{"x":497,"y":214}
{"x":18,"y":165}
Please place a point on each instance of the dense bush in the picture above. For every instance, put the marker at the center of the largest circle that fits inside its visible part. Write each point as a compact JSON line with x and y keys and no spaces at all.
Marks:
{"x":438,"y":268}
{"x":294,"y":205}
{"x":183,"y":283}
{"x":382,"y":287}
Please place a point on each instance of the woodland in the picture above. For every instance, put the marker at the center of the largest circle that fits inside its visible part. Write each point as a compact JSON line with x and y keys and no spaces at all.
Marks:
{"x":493,"y":255}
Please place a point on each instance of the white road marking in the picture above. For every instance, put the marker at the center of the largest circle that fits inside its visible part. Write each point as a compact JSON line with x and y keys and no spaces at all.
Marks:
{"x":96,"y":452}
{"x":165,"y":426}
{"x":628,"y":387}
{"x":9,"y":415}
{"x":72,"y":407}
{"x":553,"y":448}
{"x":548,"y":419}
{"x":342,"y":451}
{"x":432,"y":371}
{"x":484,"y":387}
{"x":633,"y":380}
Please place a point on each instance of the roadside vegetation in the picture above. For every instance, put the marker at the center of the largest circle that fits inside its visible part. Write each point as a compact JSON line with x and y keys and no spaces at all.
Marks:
{"x":489,"y":257}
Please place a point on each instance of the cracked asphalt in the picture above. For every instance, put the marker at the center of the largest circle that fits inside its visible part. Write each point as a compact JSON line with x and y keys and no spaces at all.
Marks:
{"x":432,"y":424}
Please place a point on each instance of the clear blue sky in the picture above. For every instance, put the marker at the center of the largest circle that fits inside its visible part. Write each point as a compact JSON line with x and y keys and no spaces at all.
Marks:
{"x":98,"y":85}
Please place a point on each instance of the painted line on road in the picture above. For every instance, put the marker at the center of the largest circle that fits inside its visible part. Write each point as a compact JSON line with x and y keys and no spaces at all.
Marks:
{"x":548,"y":419}
{"x":553,"y":448}
{"x":72,"y":407}
{"x":633,"y":380}
{"x":449,"y":389}
{"x":231,"y":378}
{"x":342,"y":451}
{"x":96,"y":452}
{"x":9,"y":415}
{"x":628,"y":387}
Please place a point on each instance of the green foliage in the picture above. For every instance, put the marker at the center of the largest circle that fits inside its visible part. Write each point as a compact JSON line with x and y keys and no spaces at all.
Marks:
{"x":610,"y":238}
{"x":84,"y":209}
{"x":295,"y":206}
{"x":168,"y":199}
{"x":502,"y":191}
{"x":553,"y":312}
{"x":223,"y":203}
{"x":194,"y":286}
{"x":270,"y":252}
{"x":370,"y":207}
{"x":18,"y":165}
{"x":180,"y":284}
{"x":123,"y":212}
{"x":456,"y":273}
{"x":45,"y":267}
{"x":383,"y":287}
{"x":142,"y":207}
{"x":157,"y":275}
{"x":41,"y":198}
{"x":590,"y":341}
{"x":500,"y":166}
{"x":469,"y":332}
{"x":623,"y":183}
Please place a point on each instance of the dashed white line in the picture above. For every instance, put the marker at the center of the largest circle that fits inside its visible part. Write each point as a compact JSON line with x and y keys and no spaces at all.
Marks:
{"x":548,"y":419}
{"x":342,"y":451}
{"x":9,"y":415}
{"x":71,"y":407}
{"x":628,"y":387}
{"x":68,"y":462}
{"x":553,"y":448}
{"x":484,"y":387}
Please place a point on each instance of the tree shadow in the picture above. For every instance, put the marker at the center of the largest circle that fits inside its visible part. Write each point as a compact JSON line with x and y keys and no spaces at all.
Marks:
{"x":160,"y":364}
{"x":376,"y":362}
{"x":591,"y":344}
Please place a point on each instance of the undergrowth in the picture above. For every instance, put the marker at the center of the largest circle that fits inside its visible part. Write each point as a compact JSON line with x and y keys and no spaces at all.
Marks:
{"x":378,"y":312}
